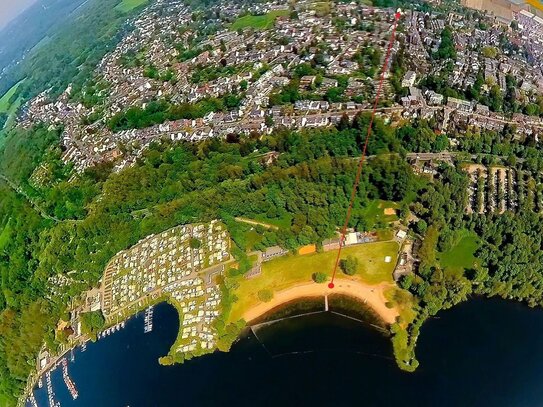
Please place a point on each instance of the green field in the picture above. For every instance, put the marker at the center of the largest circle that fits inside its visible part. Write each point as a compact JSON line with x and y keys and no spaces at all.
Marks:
{"x":126,"y":5}
{"x":5,"y":235}
{"x":261,"y":22}
{"x":5,"y":105}
{"x":462,"y":255}
{"x":9,"y":108}
{"x":374,"y":216}
{"x":290,"y":270}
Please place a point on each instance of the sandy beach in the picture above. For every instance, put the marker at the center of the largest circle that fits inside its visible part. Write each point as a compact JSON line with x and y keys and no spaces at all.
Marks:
{"x":372,"y":295}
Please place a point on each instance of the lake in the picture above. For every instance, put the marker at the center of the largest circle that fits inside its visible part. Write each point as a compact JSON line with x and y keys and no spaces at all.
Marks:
{"x":480,"y":353}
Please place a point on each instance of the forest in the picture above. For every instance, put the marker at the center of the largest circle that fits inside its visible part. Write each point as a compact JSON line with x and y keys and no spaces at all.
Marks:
{"x":101,"y":213}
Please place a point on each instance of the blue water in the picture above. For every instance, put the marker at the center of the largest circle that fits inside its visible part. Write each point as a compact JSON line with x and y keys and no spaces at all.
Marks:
{"x":481,"y":353}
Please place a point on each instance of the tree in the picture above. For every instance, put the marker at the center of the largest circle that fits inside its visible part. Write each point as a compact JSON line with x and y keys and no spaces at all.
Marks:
{"x":265,"y":295}
{"x":92,"y":323}
{"x":195,"y":243}
{"x":319,"y":277}
{"x":349,"y":265}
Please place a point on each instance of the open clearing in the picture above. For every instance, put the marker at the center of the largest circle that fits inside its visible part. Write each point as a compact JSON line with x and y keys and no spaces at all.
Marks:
{"x":5,"y":235}
{"x":126,"y":5}
{"x":374,"y":215}
{"x":260,"y":22}
{"x":288,"y":271}
{"x":462,"y":255}
{"x":5,"y":105}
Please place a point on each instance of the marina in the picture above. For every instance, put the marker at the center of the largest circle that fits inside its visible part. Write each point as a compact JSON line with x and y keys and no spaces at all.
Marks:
{"x":63,"y":361}
{"x":68,"y":381}
{"x":148,"y":320}
{"x":32,"y":401}
{"x":50,"y":393}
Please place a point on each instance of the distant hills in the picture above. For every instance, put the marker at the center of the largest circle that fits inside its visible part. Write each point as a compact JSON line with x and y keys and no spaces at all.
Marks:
{"x":31,"y":27}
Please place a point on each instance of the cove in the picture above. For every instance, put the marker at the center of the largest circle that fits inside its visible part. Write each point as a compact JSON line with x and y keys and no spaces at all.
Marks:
{"x":480,"y":353}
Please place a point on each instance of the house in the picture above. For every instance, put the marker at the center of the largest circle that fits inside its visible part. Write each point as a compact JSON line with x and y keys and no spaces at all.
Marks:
{"x":273,"y":252}
{"x":409,"y":79}
{"x":307,"y":81}
{"x":434,"y":98}
{"x":458,"y":104}
{"x":351,"y":238}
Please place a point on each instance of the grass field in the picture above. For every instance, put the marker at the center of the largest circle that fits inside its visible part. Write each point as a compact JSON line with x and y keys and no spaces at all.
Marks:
{"x":5,"y":105}
{"x":4,"y":236}
{"x":261,"y":22}
{"x":461,"y":256}
{"x":290,"y":270}
{"x":374,"y":216}
{"x":126,"y":5}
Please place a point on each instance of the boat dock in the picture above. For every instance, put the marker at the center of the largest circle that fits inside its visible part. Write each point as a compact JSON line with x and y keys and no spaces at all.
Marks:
{"x":69,"y":382}
{"x":50,"y":393}
{"x":148,"y":320}
{"x":32,"y":400}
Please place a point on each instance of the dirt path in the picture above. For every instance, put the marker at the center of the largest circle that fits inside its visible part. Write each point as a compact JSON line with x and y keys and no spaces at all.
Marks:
{"x":254,"y":222}
{"x":372,"y":295}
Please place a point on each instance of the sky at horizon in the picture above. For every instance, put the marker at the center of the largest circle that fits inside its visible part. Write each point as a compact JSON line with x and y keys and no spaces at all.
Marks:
{"x":9,"y":9}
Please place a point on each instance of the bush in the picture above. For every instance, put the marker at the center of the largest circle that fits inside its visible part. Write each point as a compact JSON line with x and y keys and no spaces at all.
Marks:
{"x":349,"y":265}
{"x":265,"y":295}
{"x":319,"y":277}
{"x":195,"y":243}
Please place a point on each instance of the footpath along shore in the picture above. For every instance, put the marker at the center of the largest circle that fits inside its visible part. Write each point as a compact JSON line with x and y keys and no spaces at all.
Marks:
{"x":372,"y":295}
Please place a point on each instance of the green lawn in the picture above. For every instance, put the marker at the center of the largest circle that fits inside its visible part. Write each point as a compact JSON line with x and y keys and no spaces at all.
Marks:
{"x":126,"y":5}
{"x":5,"y":105}
{"x":261,"y":22}
{"x":4,"y":236}
{"x":461,"y":255}
{"x":9,"y":108}
{"x":374,"y":215}
{"x":290,"y":270}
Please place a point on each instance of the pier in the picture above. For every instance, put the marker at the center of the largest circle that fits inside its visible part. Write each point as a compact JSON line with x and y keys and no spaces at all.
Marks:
{"x":68,"y":381}
{"x":32,"y":400}
{"x":50,"y":393}
{"x":148,"y":320}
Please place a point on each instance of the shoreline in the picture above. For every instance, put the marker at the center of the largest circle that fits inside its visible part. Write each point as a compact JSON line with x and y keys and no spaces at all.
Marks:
{"x":371,"y":295}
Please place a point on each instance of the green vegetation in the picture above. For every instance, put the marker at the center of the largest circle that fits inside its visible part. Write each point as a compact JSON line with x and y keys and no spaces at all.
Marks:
{"x":319,"y":277}
{"x":92,"y":323}
{"x":259,"y":22}
{"x":6,"y":100}
{"x":460,"y":253}
{"x":157,"y":112}
{"x":195,"y":243}
{"x":9,"y":103}
{"x":306,"y":190}
{"x":127,"y":5}
{"x":373,"y":215}
{"x":447,"y":49}
{"x":5,"y":235}
{"x":349,"y":265}
{"x":288,"y":271}
{"x":265,"y":295}
{"x":282,"y":221}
